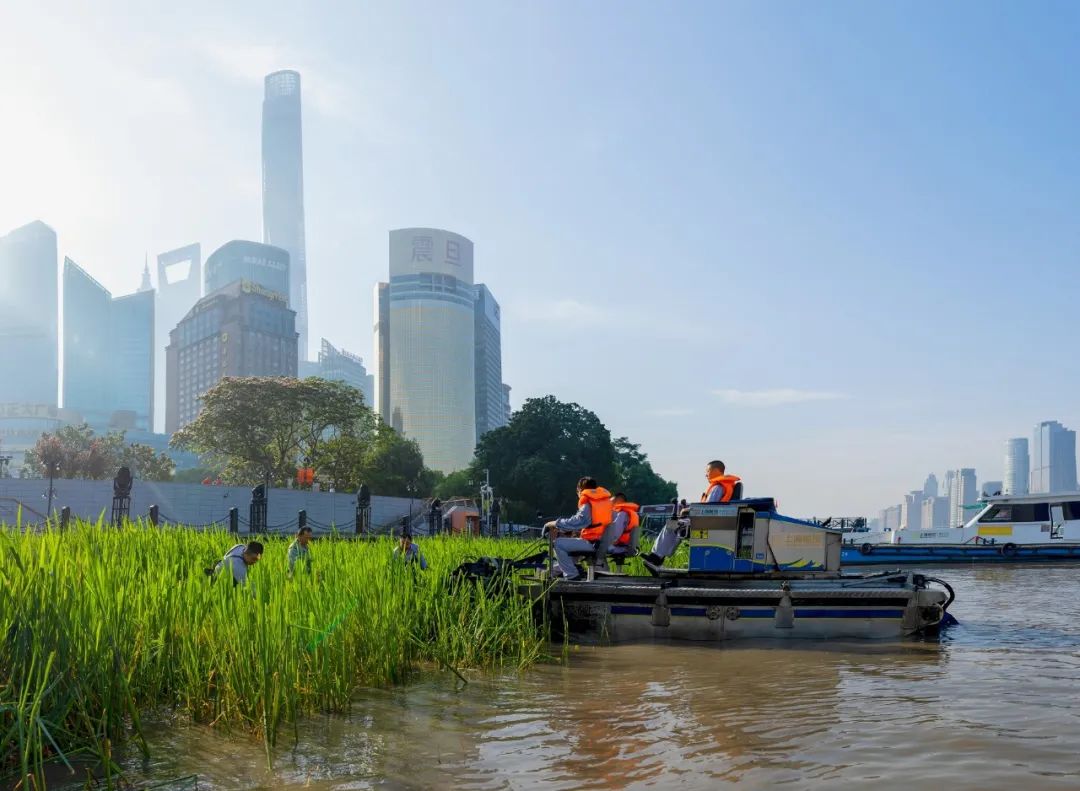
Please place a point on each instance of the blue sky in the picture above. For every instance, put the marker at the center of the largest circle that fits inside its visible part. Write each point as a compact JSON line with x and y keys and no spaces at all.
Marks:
{"x":833,"y":244}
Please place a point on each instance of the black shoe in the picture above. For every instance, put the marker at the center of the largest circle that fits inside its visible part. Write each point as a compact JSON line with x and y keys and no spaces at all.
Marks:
{"x":653,"y":559}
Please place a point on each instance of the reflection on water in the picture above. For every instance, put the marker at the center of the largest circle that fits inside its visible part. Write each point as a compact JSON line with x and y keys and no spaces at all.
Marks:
{"x":992,"y":704}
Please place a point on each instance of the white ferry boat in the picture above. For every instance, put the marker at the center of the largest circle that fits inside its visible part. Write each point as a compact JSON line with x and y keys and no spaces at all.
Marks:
{"x":1008,"y":529}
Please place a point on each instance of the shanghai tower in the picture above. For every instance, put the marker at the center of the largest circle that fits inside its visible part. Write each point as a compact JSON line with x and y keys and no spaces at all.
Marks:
{"x":283,"y":187}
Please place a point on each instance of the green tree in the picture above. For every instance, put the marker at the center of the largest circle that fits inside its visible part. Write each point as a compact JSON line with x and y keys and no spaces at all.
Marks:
{"x":261,"y":429}
{"x":393,"y":466}
{"x":636,"y":476}
{"x":196,"y":475}
{"x":536,"y":459}
{"x":147,"y":464}
{"x":460,"y":483}
{"x":80,"y":453}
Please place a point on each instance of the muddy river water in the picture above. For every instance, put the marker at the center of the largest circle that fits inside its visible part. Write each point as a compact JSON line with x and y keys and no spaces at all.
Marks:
{"x":993,"y":703}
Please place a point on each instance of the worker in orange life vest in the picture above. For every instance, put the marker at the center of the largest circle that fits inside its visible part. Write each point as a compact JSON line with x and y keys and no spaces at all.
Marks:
{"x":626,"y":519}
{"x":595,"y":513}
{"x":721,"y":488}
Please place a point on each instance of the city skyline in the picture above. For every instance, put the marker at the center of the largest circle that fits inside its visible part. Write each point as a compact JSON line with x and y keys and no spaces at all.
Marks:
{"x":868,"y":253}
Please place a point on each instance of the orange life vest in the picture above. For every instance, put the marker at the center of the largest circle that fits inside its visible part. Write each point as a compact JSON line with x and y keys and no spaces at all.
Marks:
{"x":725,"y":482}
{"x":599,"y":500}
{"x":631,"y":510}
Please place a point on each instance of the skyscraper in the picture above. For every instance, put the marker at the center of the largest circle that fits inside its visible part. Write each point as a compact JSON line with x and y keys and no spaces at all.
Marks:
{"x":283,"y":186}
{"x":179,"y":286}
{"x":490,"y":398}
{"x":935,"y":513}
{"x":963,"y":492}
{"x":930,"y":486}
{"x":242,"y":260}
{"x":241,"y":329}
{"x":108,"y":353}
{"x":133,"y":346}
{"x":430,"y":362}
{"x":1017,"y":466}
{"x":1053,"y":458}
{"x":29,"y":321}
{"x":87,"y":333}
{"x":507,"y":409}
{"x":911,"y":510}
{"x":382,"y":351}
{"x":339,"y":365}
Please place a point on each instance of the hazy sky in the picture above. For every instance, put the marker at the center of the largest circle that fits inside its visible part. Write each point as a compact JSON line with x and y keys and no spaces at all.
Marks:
{"x":834,"y":244}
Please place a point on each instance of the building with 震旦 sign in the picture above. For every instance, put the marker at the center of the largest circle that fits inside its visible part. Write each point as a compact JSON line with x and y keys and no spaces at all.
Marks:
{"x":425,"y":344}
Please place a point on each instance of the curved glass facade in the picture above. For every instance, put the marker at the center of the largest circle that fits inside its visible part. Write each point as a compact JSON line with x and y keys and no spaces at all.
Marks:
{"x":432,"y":343}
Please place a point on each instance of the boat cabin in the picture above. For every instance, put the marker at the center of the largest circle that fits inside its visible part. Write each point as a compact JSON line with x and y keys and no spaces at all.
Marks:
{"x":749,"y":536}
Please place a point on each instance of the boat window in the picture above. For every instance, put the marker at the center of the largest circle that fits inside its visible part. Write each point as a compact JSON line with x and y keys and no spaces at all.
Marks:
{"x":1018,"y":512}
{"x":1072,"y":509}
{"x":999,"y":513}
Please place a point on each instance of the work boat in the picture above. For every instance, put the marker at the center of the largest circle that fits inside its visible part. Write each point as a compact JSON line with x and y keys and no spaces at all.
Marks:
{"x":752,"y":573}
{"x":1008,"y":529}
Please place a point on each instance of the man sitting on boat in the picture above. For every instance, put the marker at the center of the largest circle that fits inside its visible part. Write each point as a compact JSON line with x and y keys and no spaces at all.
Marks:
{"x":594,"y":515}
{"x":624,"y":522}
{"x":721,"y":490}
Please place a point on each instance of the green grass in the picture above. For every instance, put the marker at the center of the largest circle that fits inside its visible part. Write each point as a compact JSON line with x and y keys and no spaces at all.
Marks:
{"x":101,"y":624}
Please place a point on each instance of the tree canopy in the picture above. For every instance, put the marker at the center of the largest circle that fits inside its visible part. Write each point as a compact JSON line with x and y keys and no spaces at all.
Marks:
{"x":536,"y":460}
{"x":77,"y":452}
{"x":257,"y":429}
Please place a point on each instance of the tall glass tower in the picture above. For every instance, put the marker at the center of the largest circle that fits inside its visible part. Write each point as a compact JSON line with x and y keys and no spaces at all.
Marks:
{"x":283,"y":187}
{"x":29,"y":348}
{"x":428,"y":335}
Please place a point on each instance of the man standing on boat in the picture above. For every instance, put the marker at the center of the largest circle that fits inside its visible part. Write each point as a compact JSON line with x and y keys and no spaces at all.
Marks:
{"x":595,"y":513}
{"x":721,"y":490}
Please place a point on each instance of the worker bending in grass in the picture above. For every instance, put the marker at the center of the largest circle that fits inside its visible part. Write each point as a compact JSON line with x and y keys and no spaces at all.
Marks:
{"x":594,"y":515}
{"x":409,"y":550}
{"x":721,"y":489}
{"x":300,"y":552}
{"x":238,"y":560}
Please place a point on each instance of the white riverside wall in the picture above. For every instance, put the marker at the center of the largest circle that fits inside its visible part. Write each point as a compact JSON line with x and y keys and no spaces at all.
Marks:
{"x":194,"y":503}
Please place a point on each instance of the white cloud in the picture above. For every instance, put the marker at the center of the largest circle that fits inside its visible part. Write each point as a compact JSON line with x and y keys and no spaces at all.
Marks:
{"x":675,"y":411}
{"x":779,"y":396}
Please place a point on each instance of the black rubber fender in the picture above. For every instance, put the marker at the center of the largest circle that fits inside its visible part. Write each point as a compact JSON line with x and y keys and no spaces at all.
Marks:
{"x":866,"y":548}
{"x":1008,"y":550}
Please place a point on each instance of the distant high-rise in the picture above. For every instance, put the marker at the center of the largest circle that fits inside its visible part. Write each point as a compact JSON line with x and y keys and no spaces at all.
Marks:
{"x":382,"y":351}
{"x":87,"y":334}
{"x":133,"y":344}
{"x":911,"y":511}
{"x":1053,"y":458}
{"x":1017,"y":466}
{"x":508,"y":411}
{"x":179,"y":286}
{"x":890,"y":517}
{"x":935,"y":513}
{"x":963,"y":492}
{"x":930,"y":486}
{"x":242,"y":329}
{"x":490,"y":398}
{"x":145,"y":284}
{"x":29,"y":322}
{"x":242,"y":260}
{"x":108,"y":353}
{"x":430,"y":359}
{"x":283,"y":186}
{"x":339,"y":365}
